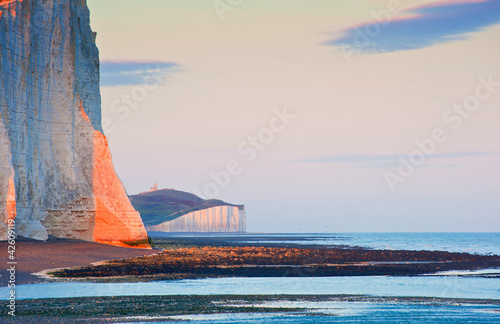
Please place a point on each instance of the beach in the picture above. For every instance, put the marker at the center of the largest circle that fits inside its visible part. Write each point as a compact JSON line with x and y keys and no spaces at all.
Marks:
{"x":213,"y":257}
{"x":34,"y":256}
{"x":188,"y":261}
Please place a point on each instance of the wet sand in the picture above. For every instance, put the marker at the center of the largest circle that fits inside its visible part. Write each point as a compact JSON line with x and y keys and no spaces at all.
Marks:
{"x":34,"y":256}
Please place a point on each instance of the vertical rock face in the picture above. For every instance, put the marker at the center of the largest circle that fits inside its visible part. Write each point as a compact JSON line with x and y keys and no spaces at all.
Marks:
{"x":7,"y":190}
{"x":56,"y":173}
{"x":215,"y":219}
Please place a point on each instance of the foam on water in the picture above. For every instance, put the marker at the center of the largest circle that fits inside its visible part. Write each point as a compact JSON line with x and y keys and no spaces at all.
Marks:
{"x":344,"y":312}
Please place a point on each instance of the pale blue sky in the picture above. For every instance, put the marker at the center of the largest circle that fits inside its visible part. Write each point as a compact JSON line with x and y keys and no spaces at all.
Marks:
{"x":212,"y":85}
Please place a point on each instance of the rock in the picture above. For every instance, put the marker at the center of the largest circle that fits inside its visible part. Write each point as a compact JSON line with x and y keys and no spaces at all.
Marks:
{"x":7,"y":190}
{"x":56,"y":172}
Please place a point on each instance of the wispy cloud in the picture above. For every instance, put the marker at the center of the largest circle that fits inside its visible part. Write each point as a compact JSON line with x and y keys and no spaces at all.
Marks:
{"x":420,"y":27}
{"x":126,"y":73}
{"x":389,"y":160}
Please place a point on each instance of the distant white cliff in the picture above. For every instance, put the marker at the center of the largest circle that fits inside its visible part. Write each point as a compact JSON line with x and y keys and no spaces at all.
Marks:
{"x":169,"y":210}
{"x":214,"y":219}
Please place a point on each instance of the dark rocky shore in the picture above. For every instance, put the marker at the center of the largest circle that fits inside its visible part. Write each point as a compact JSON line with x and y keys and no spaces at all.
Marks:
{"x":176,"y":258}
{"x":124,"y":309}
{"x":195,"y":259}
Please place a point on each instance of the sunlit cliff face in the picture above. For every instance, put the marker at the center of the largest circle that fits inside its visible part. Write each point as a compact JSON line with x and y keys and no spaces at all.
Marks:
{"x":56,"y":172}
{"x":12,"y":7}
{"x":116,"y":220}
{"x":8,"y":198}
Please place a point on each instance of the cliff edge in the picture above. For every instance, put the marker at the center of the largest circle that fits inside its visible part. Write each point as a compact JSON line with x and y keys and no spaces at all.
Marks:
{"x":169,"y":210}
{"x":56,"y":172}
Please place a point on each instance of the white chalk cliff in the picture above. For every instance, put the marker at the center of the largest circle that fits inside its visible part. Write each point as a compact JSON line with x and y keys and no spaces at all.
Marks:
{"x":214,"y":219}
{"x":56,"y":173}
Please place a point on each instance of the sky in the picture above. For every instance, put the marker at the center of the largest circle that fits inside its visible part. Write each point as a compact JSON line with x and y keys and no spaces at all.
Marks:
{"x":318,"y":116}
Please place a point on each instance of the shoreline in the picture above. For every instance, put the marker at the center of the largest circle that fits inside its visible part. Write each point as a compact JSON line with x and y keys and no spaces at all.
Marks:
{"x":34,"y":256}
{"x":175,"y":258}
{"x":156,"y":308}
{"x":206,"y":258}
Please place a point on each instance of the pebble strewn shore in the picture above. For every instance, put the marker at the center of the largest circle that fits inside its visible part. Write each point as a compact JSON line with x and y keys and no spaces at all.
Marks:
{"x":156,"y":308}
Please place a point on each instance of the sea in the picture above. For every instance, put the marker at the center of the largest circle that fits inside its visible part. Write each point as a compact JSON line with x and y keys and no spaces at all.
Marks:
{"x":482,"y":284}
{"x":479,"y":243}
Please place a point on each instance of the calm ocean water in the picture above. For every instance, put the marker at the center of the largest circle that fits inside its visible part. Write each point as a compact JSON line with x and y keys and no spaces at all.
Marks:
{"x":448,"y":286}
{"x":481,"y":243}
